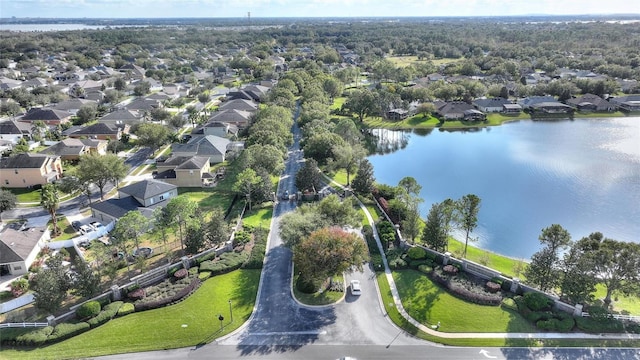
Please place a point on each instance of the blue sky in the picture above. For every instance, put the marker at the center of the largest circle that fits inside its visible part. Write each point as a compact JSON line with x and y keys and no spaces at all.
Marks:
{"x":308,"y":8}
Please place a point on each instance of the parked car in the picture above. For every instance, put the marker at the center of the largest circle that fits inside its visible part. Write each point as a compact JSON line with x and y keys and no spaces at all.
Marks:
{"x":355,"y":287}
{"x":76,"y":225}
{"x":85,"y":229}
{"x":96,"y":225}
{"x":285,"y":196}
{"x":143,"y":251}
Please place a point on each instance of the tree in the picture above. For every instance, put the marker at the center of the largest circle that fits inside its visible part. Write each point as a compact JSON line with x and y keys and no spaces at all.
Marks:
{"x":119,"y":84}
{"x":7,"y":201}
{"x":131,"y":226}
{"x":142,"y":88}
{"x":21,"y":147}
{"x":87,"y":113}
{"x":195,"y":238}
{"x":152,"y":135}
{"x":327,"y":252}
{"x":267,"y":157}
{"x":361,"y":103}
{"x":51,"y":285}
{"x":347,"y":157}
{"x":339,"y":213}
{"x":50,"y":201}
{"x":86,"y":281}
{"x":217,"y":229}
{"x":616,"y":264}
{"x":364,"y":180}
{"x":308,"y":177}
{"x":438,"y":225}
{"x":348,"y":131}
{"x":246,"y":183}
{"x":426,"y":109}
{"x":180,"y":211}
{"x":101,"y":169}
{"x":320,"y":146}
{"x":299,"y":224}
{"x":578,"y":280}
{"x":544,"y":268}
{"x":468,"y":207}
{"x":161,"y":223}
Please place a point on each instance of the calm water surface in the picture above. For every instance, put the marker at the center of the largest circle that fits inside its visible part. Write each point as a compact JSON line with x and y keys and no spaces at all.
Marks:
{"x":582,"y":174}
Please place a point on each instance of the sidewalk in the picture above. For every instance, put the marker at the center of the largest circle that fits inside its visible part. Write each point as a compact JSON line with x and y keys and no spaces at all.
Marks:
{"x":430,"y":331}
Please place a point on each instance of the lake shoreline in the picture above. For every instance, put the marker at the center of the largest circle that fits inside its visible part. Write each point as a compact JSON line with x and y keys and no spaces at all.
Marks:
{"x":493,"y":119}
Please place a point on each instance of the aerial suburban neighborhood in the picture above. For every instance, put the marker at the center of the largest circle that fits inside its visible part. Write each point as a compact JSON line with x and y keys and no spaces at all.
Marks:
{"x":249,"y":187}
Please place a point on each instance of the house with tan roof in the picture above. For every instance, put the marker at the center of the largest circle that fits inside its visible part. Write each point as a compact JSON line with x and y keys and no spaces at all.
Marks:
{"x":185,"y":171}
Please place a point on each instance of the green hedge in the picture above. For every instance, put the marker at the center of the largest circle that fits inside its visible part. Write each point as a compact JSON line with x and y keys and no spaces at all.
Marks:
{"x":227,"y":262}
{"x":256,"y":259}
{"x":426,"y":269}
{"x":508,"y":303}
{"x":416,"y":253}
{"x":108,"y":313}
{"x":591,"y":325}
{"x":33,"y":338}
{"x":126,"y":309}
{"x":537,"y":301}
{"x":66,"y":330}
{"x":204,"y":275}
{"x":88,"y":309}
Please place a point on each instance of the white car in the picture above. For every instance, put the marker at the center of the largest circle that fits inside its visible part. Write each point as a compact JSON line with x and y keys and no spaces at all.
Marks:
{"x":355,"y":287}
{"x":85,"y":229}
{"x":96,"y":225}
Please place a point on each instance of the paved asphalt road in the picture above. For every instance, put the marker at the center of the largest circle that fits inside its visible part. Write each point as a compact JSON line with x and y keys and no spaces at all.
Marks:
{"x":280,"y":328}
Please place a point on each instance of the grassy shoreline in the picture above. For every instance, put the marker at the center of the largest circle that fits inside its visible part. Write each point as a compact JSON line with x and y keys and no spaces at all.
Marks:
{"x":493,"y":119}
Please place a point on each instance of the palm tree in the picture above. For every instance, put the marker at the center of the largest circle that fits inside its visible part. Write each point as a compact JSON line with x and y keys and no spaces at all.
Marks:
{"x":50,"y":202}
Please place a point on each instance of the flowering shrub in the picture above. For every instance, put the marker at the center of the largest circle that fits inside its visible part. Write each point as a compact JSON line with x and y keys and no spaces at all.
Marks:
{"x":137,"y":294}
{"x":19,"y":287}
{"x":450,"y":269}
{"x":492,"y":287}
{"x":181,"y":273}
{"x":465,"y":289}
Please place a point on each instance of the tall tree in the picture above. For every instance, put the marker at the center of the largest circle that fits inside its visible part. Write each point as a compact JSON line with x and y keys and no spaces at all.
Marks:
{"x":131,"y":226}
{"x":180,"y":211}
{"x":327,"y":252}
{"x":86,"y":281}
{"x":246,"y":183}
{"x":217,"y":229}
{"x":101,"y":169}
{"x":51,"y":284}
{"x":339,"y":213}
{"x":544,"y":268}
{"x":364,"y":180}
{"x":7,"y":201}
{"x":308,"y":177}
{"x":361,"y":103}
{"x":348,"y":157}
{"x":195,"y":238}
{"x":152,"y":135}
{"x":578,"y":280}
{"x":50,"y":201}
{"x":438,"y":225}
{"x":87,"y":113}
{"x":468,"y":208}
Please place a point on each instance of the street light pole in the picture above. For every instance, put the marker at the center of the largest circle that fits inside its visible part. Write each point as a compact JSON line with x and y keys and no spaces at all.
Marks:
{"x":230,"y":310}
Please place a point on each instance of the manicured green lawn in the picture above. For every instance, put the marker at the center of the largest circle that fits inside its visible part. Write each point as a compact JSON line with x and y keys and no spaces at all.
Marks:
{"x":428,"y":303}
{"x":322,"y":298}
{"x":259,"y":217}
{"x":208,"y":199}
{"x":340,"y":177}
{"x":338,"y":102}
{"x":506,"y":265}
{"x":188,"y":323}
{"x":26,"y":195}
{"x":627,"y":303}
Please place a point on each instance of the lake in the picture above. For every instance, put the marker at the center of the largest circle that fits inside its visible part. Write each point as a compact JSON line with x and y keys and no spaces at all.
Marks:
{"x":583,"y":174}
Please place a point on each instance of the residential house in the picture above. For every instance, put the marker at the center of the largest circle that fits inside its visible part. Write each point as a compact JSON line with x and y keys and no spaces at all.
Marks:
{"x":20,"y":247}
{"x":185,"y":171}
{"x":239,"y":118}
{"x":101,"y":131}
{"x":35,"y":83}
{"x":239,"y":104}
{"x":73,"y":105}
{"x":213,"y":147}
{"x":13,"y":131}
{"x":552,"y":107}
{"x":143,"y":105}
{"x":627,"y":103}
{"x":216,"y":128}
{"x":72,"y":148}
{"x":452,"y":110}
{"x":122,"y":116}
{"x":46,"y":115}
{"x":8,"y":84}
{"x":511,"y":108}
{"x":397,"y":114}
{"x":144,"y":196}
{"x":492,"y":105}
{"x":590,"y":102}
{"x":474,"y":115}
{"x":528,"y":102}
{"x":26,"y":170}
{"x":82,"y":87}
{"x":133,"y":71}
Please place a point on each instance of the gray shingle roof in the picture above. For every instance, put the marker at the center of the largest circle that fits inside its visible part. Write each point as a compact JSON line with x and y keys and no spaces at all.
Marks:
{"x":97,"y":129}
{"x":24,"y":161}
{"x":147,"y":188}
{"x":45,"y":115}
{"x":12,"y":127}
{"x":117,"y":207}
{"x":16,"y":245}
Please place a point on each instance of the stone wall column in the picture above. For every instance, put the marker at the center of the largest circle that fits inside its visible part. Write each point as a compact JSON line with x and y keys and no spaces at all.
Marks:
{"x":185,"y":262}
{"x":115,"y":293}
{"x":515,"y":283}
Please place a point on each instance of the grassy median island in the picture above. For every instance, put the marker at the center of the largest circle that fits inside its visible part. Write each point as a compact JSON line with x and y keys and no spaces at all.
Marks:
{"x":191,"y":322}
